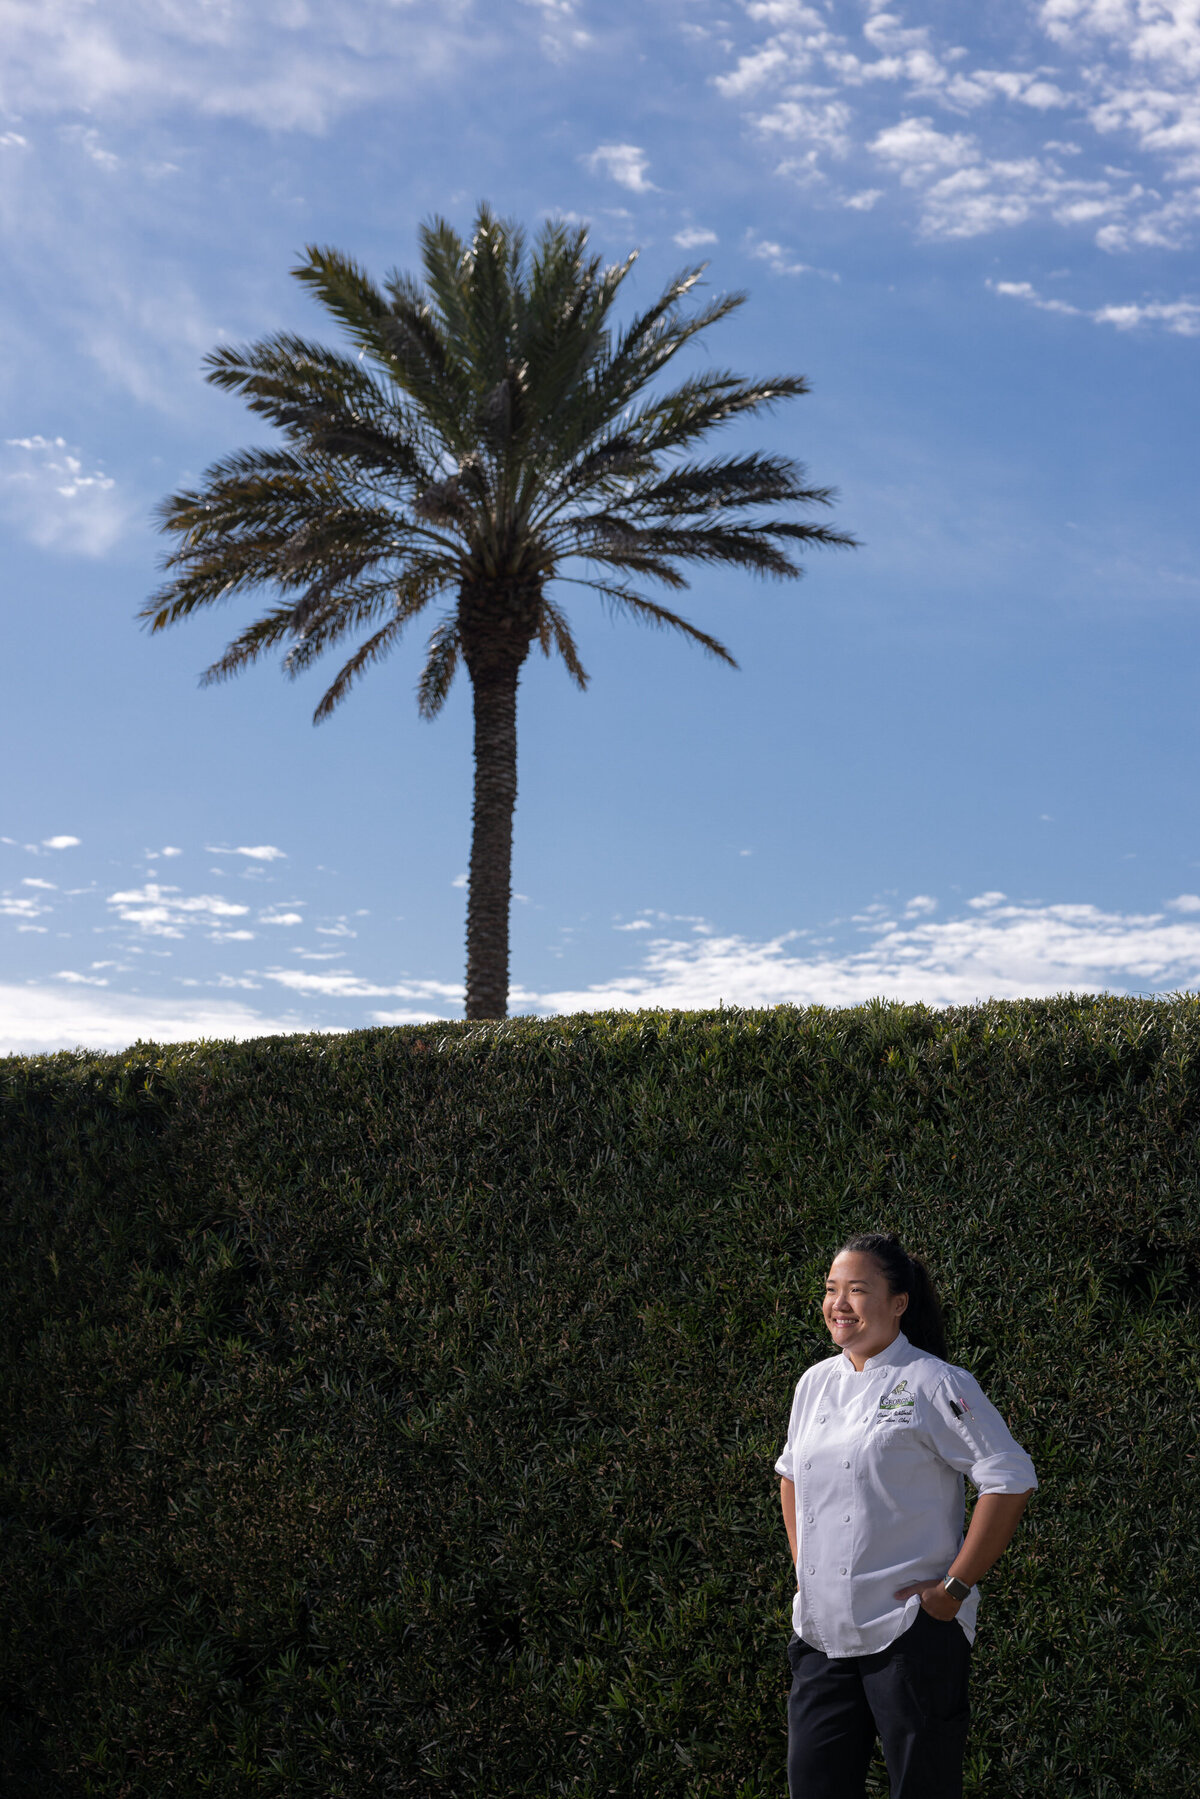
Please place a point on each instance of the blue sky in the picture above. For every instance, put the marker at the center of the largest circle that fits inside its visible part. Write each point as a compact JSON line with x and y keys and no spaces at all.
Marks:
{"x":957,"y":762}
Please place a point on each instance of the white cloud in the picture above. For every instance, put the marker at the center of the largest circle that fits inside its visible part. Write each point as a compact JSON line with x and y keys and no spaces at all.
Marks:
{"x":981,"y":85}
{"x":260,"y":852}
{"x":1150,"y":32}
{"x":625,"y":164}
{"x":89,"y":142}
{"x":692,"y":236}
{"x":48,"y":492}
{"x":822,"y":123}
{"x":1000,"y":949}
{"x":159,"y":912}
{"x":61,"y":843}
{"x":916,"y":149}
{"x":25,"y":906}
{"x":1117,"y":69}
{"x":342,"y":984}
{"x":286,"y":918}
{"x":865,"y":200}
{"x":777,"y":258}
{"x":37,"y":1019}
{"x":278,"y":64}
{"x":422,"y":1015}
{"x":753,"y":70}
{"x":1181,"y":317}
{"x":561,"y":35}
{"x":994,"y":947}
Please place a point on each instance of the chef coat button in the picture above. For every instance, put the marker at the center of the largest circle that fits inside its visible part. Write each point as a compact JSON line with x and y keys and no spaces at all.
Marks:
{"x":808,"y":1464}
{"x":812,"y":1570}
{"x":820,"y":1420}
{"x":846,"y":1519}
{"x":841,"y":1570}
{"x":845,"y":1464}
{"x":811,"y":1518}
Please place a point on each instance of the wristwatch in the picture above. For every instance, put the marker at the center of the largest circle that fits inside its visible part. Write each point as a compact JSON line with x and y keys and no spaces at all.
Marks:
{"x":957,"y":1589}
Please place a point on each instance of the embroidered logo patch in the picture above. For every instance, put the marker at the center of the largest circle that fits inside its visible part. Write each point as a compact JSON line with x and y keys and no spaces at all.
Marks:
{"x":899,"y":1399}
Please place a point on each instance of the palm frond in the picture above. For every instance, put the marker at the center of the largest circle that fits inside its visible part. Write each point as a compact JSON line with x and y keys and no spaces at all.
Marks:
{"x":329,"y":612}
{"x":374,"y":650}
{"x":266,"y":633}
{"x":441,"y":662}
{"x":696,"y":488}
{"x":345,"y":290}
{"x":555,"y":634}
{"x":649,"y":612}
{"x":675,"y":419}
{"x":749,"y":545}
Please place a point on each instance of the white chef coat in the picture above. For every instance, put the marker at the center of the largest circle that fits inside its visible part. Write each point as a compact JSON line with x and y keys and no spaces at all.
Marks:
{"x":878,"y":1460}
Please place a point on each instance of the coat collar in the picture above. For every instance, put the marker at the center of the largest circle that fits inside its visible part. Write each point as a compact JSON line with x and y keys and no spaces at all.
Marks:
{"x":898,"y":1354}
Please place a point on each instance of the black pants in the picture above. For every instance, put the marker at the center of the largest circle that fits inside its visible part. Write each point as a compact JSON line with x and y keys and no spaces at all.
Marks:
{"x":913,"y":1694}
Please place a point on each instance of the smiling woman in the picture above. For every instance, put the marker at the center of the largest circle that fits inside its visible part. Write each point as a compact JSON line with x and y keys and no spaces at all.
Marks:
{"x":879,"y":1440}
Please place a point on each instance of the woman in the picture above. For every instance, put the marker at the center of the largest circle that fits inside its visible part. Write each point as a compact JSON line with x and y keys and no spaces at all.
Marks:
{"x":879,"y":1439}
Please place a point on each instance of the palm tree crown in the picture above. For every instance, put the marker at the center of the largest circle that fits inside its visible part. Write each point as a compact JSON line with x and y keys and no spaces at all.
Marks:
{"x":489,"y":437}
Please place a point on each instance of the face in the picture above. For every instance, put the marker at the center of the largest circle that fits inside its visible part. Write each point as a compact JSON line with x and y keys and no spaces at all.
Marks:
{"x":861,"y":1315}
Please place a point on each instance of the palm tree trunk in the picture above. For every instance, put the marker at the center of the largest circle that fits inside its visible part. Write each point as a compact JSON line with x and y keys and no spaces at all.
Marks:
{"x":490,"y":882}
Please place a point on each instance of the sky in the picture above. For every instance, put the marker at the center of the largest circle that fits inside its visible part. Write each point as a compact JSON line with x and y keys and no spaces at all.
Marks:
{"x":957,"y":762}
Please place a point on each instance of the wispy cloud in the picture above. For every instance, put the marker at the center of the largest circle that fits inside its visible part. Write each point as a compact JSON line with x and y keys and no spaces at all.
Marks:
{"x":999,"y":949}
{"x":693,"y":236}
{"x":847,"y":90}
{"x":343,"y":984}
{"x":259,"y":852}
{"x":159,"y":911}
{"x":625,"y":164}
{"x":990,"y":947}
{"x":1182,"y":317}
{"x":284,"y":67}
{"x":777,"y":259}
{"x":780,"y":260}
{"x":49,"y":492}
{"x":37,"y":1018}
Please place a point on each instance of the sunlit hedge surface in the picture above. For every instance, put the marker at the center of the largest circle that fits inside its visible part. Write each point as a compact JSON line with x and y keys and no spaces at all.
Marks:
{"x":395,"y":1413}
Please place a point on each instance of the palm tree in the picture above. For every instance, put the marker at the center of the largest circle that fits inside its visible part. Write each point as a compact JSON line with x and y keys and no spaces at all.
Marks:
{"x":488,"y":431}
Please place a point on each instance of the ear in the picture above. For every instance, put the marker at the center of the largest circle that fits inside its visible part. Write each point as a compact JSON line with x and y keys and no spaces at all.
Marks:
{"x":903,"y":1306}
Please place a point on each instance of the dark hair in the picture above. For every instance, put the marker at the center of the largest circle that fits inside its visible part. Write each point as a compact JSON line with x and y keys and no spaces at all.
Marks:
{"x":921,"y":1320}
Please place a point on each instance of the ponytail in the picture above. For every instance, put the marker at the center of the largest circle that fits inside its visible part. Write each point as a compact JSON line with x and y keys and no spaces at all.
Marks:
{"x":921,"y":1321}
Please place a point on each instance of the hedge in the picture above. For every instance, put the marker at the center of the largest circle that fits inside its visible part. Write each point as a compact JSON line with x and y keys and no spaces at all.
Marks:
{"x":395,"y":1413}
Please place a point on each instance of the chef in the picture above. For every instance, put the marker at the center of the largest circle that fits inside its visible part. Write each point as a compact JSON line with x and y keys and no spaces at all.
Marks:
{"x":879,"y":1440}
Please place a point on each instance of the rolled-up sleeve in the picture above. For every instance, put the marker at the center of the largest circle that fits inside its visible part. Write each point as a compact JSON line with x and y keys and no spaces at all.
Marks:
{"x":783,"y":1467}
{"x":969,"y":1433}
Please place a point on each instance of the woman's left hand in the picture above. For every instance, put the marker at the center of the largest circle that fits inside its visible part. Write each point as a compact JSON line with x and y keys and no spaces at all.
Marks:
{"x":934,"y":1599}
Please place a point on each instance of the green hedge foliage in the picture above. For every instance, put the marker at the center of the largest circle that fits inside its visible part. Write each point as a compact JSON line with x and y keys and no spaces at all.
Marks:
{"x":395,"y":1413}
